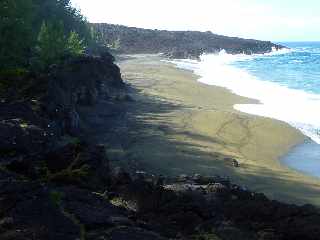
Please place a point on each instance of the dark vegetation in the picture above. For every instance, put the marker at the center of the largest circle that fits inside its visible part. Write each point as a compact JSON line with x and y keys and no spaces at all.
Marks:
{"x":40,"y":31}
{"x":35,"y":34}
{"x":55,"y":185}
{"x":176,"y":44}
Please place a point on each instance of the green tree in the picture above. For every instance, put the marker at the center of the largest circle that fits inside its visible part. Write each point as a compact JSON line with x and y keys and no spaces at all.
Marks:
{"x":75,"y":45}
{"x":53,"y":10}
{"x":52,"y":43}
{"x":33,"y":28}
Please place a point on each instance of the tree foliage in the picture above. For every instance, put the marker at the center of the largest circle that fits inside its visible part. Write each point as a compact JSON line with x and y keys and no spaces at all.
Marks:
{"x":51,"y":43}
{"x":75,"y":45}
{"x":40,"y":29}
{"x":16,"y":18}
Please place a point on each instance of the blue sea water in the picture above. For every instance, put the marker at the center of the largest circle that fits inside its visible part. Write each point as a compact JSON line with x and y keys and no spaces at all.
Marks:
{"x":304,"y":158}
{"x":296,"y":69}
{"x":287,"y":84}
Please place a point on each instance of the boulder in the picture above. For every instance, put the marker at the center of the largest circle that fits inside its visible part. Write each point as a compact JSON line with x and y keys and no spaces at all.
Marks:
{"x":80,"y":82}
{"x":28,"y":211}
{"x":120,"y":177}
{"x":93,"y":211}
{"x":18,"y":137}
{"x":82,"y":165}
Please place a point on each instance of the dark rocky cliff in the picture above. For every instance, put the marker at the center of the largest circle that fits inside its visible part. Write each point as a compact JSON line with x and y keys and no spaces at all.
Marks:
{"x":78,"y":83}
{"x":51,"y":104}
{"x":177,"y":44}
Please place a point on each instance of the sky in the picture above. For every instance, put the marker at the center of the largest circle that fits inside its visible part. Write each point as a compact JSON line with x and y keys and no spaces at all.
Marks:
{"x":274,"y":20}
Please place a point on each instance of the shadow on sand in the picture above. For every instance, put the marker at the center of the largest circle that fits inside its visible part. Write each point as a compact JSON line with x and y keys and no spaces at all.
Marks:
{"x":141,"y":135}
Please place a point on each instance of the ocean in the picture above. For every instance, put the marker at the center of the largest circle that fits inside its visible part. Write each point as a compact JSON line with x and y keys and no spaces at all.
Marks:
{"x":287,"y":84}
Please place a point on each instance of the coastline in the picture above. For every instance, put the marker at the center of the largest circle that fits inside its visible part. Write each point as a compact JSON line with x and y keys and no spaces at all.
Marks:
{"x":193,"y":128}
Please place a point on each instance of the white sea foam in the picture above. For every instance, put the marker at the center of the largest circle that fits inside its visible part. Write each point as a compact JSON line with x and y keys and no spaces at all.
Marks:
{"x":277,"y":52}
{"x":296,"y":107}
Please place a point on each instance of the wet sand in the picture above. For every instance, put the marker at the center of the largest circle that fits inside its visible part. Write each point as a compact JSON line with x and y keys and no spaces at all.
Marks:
{"x":183,"y":126}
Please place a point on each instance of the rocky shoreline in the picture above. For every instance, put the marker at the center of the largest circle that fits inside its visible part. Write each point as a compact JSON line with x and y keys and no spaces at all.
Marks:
{"x":177,"y":44}
{"x":55,"y":184}
{"x":85,"y":199}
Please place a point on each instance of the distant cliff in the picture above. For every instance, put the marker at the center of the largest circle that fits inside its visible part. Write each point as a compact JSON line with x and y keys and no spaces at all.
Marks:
{"x":176,"y":44}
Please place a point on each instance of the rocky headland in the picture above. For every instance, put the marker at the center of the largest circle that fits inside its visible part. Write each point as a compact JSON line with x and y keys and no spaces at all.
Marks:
{"x":176,"y":44}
